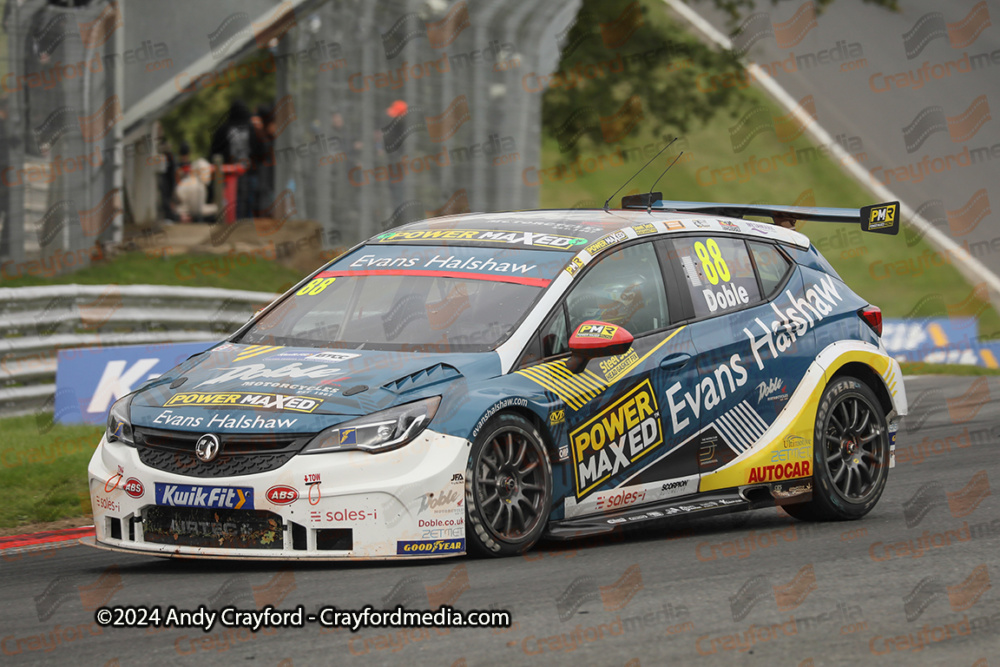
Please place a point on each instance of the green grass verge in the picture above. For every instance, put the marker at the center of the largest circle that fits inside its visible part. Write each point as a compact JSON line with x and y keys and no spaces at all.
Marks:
{"x":920,"y":368}
{"x":901,"y":275}
{"x":43,"y":476}
{"x":242,"y":271}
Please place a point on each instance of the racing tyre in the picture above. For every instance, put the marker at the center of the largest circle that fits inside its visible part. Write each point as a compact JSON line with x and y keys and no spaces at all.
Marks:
{"x":850,"y":454}
{"x":508,"y":488}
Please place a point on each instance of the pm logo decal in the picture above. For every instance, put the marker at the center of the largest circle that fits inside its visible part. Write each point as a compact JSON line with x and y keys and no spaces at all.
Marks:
{"x":881,"y":218}
{"x":615,"y":439}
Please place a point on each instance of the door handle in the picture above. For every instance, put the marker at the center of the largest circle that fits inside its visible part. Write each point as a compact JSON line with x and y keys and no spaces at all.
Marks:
{"x":676,"y":361}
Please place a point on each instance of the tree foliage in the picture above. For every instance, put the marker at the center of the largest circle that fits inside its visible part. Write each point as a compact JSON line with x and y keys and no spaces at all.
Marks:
{"x":625,"y":59}
{"x":194,"y":119}
{"x":621,"y":61}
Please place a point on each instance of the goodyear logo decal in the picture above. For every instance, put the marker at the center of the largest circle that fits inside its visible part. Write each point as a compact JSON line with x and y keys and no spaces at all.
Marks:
{"x":531,"y":239}
{"x":246,"y":399}
{"x":574,"y":389}
{"x":412,"y":547}
{"x":612,"y":441}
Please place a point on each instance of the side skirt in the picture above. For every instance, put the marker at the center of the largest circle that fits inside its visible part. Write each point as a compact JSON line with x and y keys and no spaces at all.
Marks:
{"x":717,"y":502}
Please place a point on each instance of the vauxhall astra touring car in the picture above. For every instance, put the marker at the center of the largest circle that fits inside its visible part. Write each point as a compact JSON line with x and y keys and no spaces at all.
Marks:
{"x":476,"y":382}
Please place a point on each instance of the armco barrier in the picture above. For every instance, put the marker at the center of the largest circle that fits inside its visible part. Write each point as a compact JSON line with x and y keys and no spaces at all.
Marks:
{"x":36,"y":322}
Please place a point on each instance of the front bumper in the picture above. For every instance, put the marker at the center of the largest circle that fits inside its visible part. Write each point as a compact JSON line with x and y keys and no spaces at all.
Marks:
{"x":407,"y":503}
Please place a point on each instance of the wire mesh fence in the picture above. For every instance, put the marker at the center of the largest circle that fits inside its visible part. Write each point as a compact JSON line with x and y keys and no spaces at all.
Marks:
{"x":384,"y":112}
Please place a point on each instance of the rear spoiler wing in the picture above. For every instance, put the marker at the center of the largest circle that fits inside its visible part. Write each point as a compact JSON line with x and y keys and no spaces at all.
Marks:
{"x":879,"y":218}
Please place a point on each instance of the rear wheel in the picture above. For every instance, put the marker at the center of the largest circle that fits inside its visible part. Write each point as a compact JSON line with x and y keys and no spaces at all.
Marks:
{"x":508,"y":488}
{"x":850,"y":454}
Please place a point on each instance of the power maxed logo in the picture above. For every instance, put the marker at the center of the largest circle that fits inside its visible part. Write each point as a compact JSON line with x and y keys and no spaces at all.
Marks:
{"x":616,"y":438}
{"x":253,"y":400}
{"x":495,"y":236}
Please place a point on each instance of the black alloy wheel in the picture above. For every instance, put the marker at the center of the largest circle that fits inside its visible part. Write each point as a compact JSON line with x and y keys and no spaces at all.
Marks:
{"x":508,"y":487}
{"x":850,"y":454}
{"x":853,"y":448}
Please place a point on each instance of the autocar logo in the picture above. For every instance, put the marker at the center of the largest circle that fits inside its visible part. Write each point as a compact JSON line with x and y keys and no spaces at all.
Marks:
{"x":134,"y":487}
{"x":207,"y":447}
{"x":282,"y":495}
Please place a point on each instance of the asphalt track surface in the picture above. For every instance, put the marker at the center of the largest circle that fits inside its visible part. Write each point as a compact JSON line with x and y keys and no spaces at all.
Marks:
{"x":919,"y":138}
{"x":754,"y":587}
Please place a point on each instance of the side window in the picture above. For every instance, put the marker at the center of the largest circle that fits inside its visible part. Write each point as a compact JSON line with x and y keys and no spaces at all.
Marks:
{"x":553,"y":334}
{"x":718,"y":273}
{"x":532,"y":353}
{"x":551,"y":340}
{"x":624,"y":288}
{"x":771,"y":266}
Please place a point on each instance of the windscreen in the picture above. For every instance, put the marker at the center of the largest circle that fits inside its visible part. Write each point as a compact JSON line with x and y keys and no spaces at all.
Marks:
{"x":411,"y":298}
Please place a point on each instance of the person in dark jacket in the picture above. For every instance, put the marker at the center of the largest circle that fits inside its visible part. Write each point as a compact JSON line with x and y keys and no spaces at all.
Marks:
{"x":237,"y":142}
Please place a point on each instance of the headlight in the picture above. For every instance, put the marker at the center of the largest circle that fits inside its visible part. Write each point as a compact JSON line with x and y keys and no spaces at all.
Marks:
{"x":119,"y":425}
{"x":378,"y":432}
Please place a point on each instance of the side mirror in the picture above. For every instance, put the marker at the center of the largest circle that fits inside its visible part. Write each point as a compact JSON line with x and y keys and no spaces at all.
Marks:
{"x":593,"y":339}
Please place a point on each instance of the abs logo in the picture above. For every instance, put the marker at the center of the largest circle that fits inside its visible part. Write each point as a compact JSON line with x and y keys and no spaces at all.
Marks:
{"x":134,"y":488}
{"x":282,"y":495}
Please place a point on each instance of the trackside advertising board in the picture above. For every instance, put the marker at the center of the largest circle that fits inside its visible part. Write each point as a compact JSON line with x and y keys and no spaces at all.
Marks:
{"x":940,"y":341}
{"x":89,"y":380}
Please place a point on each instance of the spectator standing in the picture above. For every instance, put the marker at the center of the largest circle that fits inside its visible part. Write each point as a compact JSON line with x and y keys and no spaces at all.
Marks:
{"x":264,"y":126}
{"x":237,"y":142}
{"x":166,"y":175}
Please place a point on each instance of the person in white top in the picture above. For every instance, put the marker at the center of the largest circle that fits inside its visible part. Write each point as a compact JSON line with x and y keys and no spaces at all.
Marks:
{"x":192,"y":193}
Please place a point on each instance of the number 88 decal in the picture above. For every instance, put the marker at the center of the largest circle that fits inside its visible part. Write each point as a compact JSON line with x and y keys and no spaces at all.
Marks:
{"x":314,"y":287}
{"x":711,"y":261}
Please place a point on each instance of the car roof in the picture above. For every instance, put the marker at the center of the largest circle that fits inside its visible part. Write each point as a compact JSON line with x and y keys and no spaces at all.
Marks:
{"x":568,"y":230}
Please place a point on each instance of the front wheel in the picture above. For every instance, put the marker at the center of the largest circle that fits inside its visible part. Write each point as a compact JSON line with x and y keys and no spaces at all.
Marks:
{"x":850,"y":454}
{"x":508,"y":488}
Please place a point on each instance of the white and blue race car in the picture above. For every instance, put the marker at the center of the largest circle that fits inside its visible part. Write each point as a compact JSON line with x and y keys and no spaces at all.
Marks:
{"x":476,"y":382}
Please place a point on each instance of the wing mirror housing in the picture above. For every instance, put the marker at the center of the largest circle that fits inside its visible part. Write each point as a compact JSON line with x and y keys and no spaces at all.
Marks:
{"x":594,"y":339}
